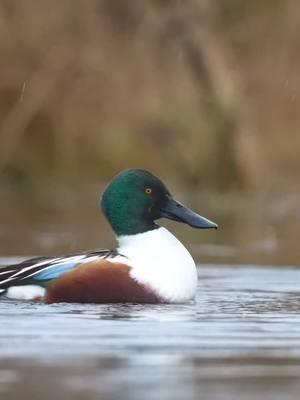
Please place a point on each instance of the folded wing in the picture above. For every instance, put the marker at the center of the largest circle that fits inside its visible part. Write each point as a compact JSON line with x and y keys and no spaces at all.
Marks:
{"x":42,"y":270}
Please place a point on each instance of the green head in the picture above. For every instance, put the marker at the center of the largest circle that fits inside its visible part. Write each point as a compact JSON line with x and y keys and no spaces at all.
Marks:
{"x":135,"y":199}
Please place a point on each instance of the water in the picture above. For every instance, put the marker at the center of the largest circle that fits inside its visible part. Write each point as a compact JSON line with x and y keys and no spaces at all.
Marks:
{"x":240,"y":339}
{"x":59,"y":221}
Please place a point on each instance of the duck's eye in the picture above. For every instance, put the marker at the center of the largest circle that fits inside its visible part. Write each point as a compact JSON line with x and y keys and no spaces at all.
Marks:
{"x":148,"y":190}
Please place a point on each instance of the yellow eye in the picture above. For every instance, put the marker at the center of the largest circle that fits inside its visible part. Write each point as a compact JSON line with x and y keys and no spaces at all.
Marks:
{"x":148,"y":190}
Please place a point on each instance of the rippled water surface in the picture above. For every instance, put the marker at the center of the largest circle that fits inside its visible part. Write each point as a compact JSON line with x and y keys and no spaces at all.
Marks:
{"x":239,"y":340}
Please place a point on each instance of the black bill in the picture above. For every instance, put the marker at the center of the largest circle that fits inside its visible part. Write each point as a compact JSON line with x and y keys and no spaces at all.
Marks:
{"x":178,"y":212}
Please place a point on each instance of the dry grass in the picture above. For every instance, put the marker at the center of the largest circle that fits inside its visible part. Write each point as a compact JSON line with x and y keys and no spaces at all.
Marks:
{"x":208,"y":92}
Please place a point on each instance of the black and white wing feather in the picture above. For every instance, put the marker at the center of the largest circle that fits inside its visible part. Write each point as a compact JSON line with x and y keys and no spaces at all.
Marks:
{"x":41,"y":269}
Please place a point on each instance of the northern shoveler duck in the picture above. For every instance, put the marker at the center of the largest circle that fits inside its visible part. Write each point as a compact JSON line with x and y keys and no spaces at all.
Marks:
{"x":150,"y":265}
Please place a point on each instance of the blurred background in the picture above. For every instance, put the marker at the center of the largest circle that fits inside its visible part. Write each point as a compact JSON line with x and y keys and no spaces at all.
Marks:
{"x":203,"y":93}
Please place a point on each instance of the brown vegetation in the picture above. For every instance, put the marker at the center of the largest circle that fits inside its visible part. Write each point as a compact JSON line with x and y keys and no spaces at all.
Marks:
{"x":204,"y":91}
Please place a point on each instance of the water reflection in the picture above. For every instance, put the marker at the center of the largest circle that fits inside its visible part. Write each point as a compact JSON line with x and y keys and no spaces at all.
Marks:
{"x":252,"y":231}
{"x":240,"y":339}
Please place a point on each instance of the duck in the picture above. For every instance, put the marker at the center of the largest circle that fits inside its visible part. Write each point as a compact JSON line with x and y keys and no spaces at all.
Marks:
{"x":149,"y":265}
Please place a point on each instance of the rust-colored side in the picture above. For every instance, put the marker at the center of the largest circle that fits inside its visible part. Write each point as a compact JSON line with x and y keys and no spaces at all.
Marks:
{"x":99,"y":282}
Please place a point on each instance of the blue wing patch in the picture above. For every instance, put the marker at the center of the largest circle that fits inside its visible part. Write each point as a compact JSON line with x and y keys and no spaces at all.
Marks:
{"x":55,"y":271}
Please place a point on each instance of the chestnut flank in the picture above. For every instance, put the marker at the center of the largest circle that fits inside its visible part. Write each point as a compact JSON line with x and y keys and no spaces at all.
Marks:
{"x":99,"y":282}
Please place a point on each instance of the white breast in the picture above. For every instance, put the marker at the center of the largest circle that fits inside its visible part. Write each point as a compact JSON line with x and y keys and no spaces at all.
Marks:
{"x":161,"y":262}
